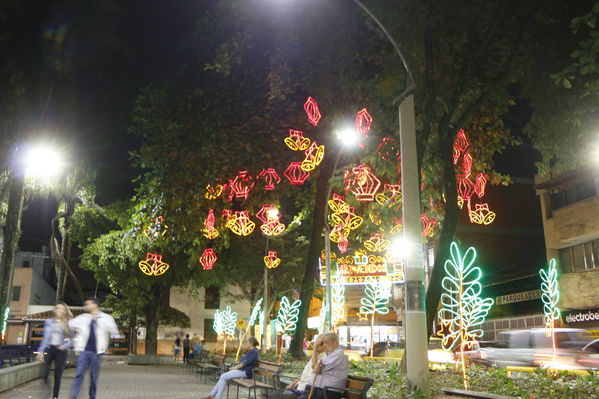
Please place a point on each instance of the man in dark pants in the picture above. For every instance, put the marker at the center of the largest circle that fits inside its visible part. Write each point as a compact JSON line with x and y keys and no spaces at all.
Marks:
{"x":93,"y":334}
{"x":186,"y":348}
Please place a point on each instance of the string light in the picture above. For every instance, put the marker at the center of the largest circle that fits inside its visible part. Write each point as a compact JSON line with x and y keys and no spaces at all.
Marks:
{"x":241,"y":185}
{"x":208,"y":259}
{"x":343,"y":244}
{"x":296,"y":174}
{"x":240,"y":223}
{"x":460,"y":144}
{"x":296,"y":140}
{"x":272,"y":260}
{"x":467,"y":165}
{"x":550,"y":297}
{"x":363,"y":183}
{"x":311,"y":108}
{"x":375,"y":301}
{"x":428,"y":225}
{"x":389,"y":150}
{"x":390,"y":191}
{"x":465,"y":187}
{"x":270,"y":178}
{"x":209,"y":231}
{"x":213,"y":192}
{"x":153,"y":265}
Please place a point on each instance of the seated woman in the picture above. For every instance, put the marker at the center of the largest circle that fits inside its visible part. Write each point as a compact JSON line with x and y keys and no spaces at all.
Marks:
{"x":242,"y":370}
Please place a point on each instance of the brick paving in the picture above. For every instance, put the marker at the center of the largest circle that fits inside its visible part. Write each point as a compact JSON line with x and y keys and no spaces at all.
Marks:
{"x":121,"y":381}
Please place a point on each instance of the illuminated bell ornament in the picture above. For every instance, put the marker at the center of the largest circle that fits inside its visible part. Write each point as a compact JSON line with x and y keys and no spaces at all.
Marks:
{"x":314,"y":156}
{"x":376,"y":243}
{"x":397,"y":225}
{"x":213,"y":192}
{"x":270,"y":178}
{"x":241,"y":185}
{"x":270,"y":217}
{"x":156,"y":228}
{"x":272,"y":260}
{"x":390,"y":191}
{"x":153,"y":265}
{"x":428,"y":225}
{"x":296,"y":174}
{"x":362,"y":124}
{"x":209,"y":231}
{"x":338,"y":233}
{"x":296,"y":140}
{"x":240,"y":223}
{"x":482,"y":214}
{"x":208,"y":259}
{"x":365,"y":184}
{"x":311,"y":108}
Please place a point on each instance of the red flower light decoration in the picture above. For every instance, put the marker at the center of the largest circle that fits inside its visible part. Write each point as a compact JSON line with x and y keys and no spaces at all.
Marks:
{"x":311,"y":108}
{"x":365,"y":184}
{"x":153,"y":265}
{"x":272,"y":260}
{"x":296,"y":140}
{"x":241,"y":185}
{"x":208,"y":259}
{"x":213,"y":192}
{"x":240,"y":223}
{"x":363,"y":123}
{"x":377,"y":243}
{"x":270,"y":177}
{"x":480,"y":184}
{"x":482,"y":214}
{"x":314,"y":155}
{"x":269,"y":216}
{"x":295,"y":174}
{"x":209,"y":231}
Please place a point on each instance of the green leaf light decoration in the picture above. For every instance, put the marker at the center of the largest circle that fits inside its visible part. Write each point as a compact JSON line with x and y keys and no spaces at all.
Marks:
{"x":256,"y":310}
{"x":224,"y":324}
{"x":288,"y":315}
{"x":550,"y":297}
{"x":463,"y":311}
{"x":338,"y":303}
{"x":375,"y":301}
{"x":217,"y":325}
{"x":4,"y":323}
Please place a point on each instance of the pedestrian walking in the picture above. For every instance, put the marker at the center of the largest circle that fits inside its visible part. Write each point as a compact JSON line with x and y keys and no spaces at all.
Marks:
{"x":55,"y":344}
{"x":93,"y":330}
{"x":177,"y":349}
{"x":186,"y":348}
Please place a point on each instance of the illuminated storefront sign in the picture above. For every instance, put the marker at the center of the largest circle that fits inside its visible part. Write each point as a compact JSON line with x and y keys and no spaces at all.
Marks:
{"x":518,"y":297}
{"x":581,"y":316}
{"x":360,"y":269}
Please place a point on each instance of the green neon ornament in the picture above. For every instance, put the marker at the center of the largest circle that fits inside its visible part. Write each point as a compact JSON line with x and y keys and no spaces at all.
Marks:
{"x":375,"y":301}
{"x":338,"y":304}
{"x":287,"y":317}
{"x":462,"y":311}
{"x":256,"y":313}
{"x":550,"y":297}
{"x":4,"y":323}
{"x":229,"y":323}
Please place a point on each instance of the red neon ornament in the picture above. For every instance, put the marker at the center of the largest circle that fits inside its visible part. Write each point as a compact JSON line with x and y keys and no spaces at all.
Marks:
{"x":213,"y":192}
{"x":311,"y":108}
{"x":240,"y":223}
{"x":272,"y":260}
{"x":428,"y":225}
{"x":459,"y":145}
{"x":314,"y":156}
{"x":363,"y":123}
{"x":467,"y":165}
{"x":296,"y":140}
{"x":270,"y":217}
{"x":270,"y":177}
{"x":343,"y":244}
{"x":209,"y":231}
{"x":208,"y":259}
{"x":153,"y":265}
{"x":377,"y":243}
{"x":480,"y":184}
{"x":465,"y":187}
{"x":227,"y":214}
{"x":241,"y":185}
{"x":365,"y":184}
{"x":296,"y":174}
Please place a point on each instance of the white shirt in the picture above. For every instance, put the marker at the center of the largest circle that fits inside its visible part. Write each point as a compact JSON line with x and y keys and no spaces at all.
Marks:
{"x":307,"y":377}
{"x":105,"y":327}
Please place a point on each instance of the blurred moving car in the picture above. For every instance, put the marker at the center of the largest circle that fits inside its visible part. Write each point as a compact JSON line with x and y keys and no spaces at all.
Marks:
{"x":438,"y":357}
{"x":535,"y":348}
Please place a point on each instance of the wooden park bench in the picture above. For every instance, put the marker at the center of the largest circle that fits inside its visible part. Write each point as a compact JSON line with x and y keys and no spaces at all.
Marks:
{"x":214,"y":364}
{"x":355,"y":388}
{"x":263,"y":378}
{"x":192,"y":362}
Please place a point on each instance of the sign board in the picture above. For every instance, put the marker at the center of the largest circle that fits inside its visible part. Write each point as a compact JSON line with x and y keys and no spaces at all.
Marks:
{"x":581,"y":316}
{"x":360,"y":269}
{"x":518,"y":297}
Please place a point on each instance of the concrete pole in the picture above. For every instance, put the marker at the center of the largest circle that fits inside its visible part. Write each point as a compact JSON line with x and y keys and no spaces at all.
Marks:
{"x":415,"y":318}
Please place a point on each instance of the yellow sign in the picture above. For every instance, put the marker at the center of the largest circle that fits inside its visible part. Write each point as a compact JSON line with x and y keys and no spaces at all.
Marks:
{"x":240,"y":324}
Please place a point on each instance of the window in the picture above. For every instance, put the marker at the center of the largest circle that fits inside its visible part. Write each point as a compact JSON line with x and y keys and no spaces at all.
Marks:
{"x":212,"y":297}
{"x":26,"y":263}
{"x":579,"y":192}
{"x":209,"y":333}
{"x":16,"y":293}
{"x":580,"y":257}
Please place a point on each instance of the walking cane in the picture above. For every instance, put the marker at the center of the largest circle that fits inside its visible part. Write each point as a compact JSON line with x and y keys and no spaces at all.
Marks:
{"x":313,"y":383}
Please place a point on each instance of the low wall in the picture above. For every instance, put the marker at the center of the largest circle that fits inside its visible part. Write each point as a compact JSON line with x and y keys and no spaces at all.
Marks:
{"x":150,"y":359}
{"x":10,"y":377}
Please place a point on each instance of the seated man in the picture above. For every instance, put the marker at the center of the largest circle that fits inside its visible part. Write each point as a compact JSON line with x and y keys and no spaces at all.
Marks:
{"x":298,"y":387}
{"x":331,"y":371}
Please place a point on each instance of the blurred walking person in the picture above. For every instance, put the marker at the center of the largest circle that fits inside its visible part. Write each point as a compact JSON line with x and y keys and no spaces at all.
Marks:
{"x":55,"y":344}
{"x":93,"y":330}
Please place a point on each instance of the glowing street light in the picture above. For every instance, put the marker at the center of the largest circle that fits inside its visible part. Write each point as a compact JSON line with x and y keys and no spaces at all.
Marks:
{"x":43,"y":162}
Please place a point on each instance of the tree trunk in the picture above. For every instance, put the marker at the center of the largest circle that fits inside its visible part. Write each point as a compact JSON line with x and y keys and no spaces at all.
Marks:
{"x":450,"y":223}
{"x":152,"y":321}
{"x":11,"y":234}
{"x":296,"y":347}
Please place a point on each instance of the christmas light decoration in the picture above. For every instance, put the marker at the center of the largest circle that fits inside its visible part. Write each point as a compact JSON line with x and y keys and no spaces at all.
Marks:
{"x":480,"y":184}
{"x":272,"y":260}
{"x":288,"y":314}
{"x":311,"y":108}
{"x":389,"y":150}
{"x":481,"y":214}
{"x":314,"y":155}
{"x":462,"y":308}
{"x":460,"y":144}
{"x":465,"y":187}
{"x":397,"y":225}
{"x":362,"y":124}
{"x":295,"y":174}
{"x":240,"y":223}
{"x":467,"y":165}
{"x":390,"y":192}
{"x":209,"y":231}
{"x":338,"y":292}
{"x":224,"y":325}
{"x":270,"y":178}
{"x":428,"y":225}
{"x":213,"y":192}
{"x":375,"y":301}
{"x":208,"y":259}
{"x":153,"y":265}
{"x":269,"y":216}
{"x":361,"y":316}
{"x":240,"y":186}
{"x":364,"y":185}
{"x":296,"y":140}
{"x":256,"y":310}
{"x":550,"y":297}
{"x":342,"y":244}
{"x":156,"y":228}
{"x":4,"y":323}
{"x":375,"y":218}
{"x":377,"y":243}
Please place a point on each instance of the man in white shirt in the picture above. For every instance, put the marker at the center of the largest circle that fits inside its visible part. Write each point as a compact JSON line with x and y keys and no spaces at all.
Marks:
{"x":93,"y":330}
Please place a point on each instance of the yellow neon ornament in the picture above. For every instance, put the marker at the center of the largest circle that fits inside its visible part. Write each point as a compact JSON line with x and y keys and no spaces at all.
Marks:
{"x":153,"y":265}
{"x":314,"y":156}
{"x":481,"y":214}
{"x":377,"y":243}
{"x":272,"y":260}
{"x":240,"y":223}
{"x":213,"y":192}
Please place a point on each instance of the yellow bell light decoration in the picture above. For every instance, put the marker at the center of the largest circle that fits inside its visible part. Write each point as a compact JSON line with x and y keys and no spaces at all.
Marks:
{"x":550,"y":297}
{"x":153,"y":265}
{"x":481,"y":214}
{"x":462,"y":311}
{"x":314,"y":155}
{"x":213,"y":192}
{"x":256,"y":312}
{"x":377,"y":243}
{"x":296,"y":140}
{"x":343,"y":218}
{"x":272,"y":260}
{"x":240,"y":223}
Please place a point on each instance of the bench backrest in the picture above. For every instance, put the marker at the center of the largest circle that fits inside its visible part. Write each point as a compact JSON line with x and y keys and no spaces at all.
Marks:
{"x":218,"y":359}
{"x":357,"y":383}
{"x":267,"y":369}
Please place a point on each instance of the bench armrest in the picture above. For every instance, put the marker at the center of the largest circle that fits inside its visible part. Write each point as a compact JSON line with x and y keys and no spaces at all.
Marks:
{"x":344,"y":390}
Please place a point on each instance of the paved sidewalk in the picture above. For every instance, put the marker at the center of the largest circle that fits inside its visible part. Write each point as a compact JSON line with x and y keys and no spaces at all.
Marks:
{"x":121,"y":381}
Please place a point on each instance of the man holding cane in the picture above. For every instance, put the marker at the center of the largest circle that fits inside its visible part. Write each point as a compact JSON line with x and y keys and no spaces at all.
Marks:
{"x":330,"y":372}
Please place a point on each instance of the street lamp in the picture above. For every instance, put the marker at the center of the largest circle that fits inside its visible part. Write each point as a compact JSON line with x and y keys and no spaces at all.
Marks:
{"x":42,"y":162}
